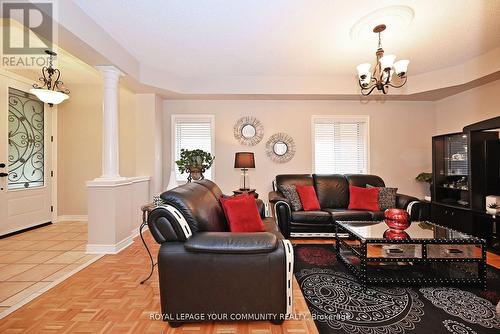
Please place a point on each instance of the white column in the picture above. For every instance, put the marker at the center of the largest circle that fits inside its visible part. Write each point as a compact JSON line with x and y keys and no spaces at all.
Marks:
{"x":110,"y":140}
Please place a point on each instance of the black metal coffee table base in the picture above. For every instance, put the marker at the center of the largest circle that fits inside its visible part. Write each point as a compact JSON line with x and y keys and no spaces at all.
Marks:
{"x":145,"y":210}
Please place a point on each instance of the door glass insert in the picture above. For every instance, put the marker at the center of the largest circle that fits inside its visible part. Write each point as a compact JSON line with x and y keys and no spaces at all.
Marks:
{"x":26,"y":141}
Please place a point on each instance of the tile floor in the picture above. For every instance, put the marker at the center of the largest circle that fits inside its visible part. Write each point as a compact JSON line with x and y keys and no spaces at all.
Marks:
{"x":32,"y":261}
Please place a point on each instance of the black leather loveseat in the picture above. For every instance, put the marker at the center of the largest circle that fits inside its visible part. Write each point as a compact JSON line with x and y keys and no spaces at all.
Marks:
{"x":333,"y":196}
{"x":208,"y":273}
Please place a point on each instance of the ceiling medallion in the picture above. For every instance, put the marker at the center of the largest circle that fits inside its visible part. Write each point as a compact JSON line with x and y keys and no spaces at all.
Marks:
{"x":386,"y":73}
{"x":397,"y":18}
{"x":52,"y":90}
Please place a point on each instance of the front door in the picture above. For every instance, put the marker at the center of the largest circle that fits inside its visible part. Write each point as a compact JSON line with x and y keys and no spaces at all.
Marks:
{"x":25,"y":158}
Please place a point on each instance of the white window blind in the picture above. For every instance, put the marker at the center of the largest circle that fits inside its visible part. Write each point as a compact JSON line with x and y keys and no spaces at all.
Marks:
{"x":192,"y":133}
{"x":340,"y":145}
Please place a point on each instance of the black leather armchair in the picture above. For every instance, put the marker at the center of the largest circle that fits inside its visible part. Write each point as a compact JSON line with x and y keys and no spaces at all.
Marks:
{"x":333,"y":195}
{"x":208,"y":273}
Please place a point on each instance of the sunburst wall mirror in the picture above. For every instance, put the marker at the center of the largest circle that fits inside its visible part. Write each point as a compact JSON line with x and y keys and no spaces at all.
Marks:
{"x":280,"y":147}
{"x":248,"y":131}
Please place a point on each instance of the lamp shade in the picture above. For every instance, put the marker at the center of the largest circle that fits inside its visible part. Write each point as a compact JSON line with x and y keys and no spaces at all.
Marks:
{"x":49,"y":96}
{"x":244,"y":160}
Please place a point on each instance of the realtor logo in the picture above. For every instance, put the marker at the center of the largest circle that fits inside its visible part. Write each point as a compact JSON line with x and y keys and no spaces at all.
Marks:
{"x":27,"y":28}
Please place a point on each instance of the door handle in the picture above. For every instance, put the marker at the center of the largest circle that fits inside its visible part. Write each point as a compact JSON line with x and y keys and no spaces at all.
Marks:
{"x":2,"y":165}
{"x":4,"y":174}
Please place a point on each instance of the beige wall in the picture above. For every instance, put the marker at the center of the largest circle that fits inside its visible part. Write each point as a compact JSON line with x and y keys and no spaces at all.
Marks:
{"x":79,"y":147}
{"x":80,"y":143}
{"x":149,"y":139}
{"x":474,"y":105}
{"x":400,"y":137}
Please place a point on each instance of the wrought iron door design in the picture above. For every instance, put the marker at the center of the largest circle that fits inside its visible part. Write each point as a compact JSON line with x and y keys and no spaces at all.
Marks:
{"x":26,"y":141}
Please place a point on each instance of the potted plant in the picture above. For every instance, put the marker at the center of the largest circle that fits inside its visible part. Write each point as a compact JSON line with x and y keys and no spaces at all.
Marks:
{"x":492,"y":208}
{"x":425,"y":177}
{"x":194,"y":162}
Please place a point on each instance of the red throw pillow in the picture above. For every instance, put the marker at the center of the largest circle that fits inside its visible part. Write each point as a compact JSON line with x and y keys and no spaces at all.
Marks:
{"x":363,"y":198}
{"x":308,"y":198}
{"x":242,"y":213}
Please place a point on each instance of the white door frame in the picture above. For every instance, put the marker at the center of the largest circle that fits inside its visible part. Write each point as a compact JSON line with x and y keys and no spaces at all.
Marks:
{"x":52,"y":112}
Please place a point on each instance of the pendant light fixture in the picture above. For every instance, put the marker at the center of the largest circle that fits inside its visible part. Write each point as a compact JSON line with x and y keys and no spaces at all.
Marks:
{"x":52,"y":90}
{"x":387,"y":73}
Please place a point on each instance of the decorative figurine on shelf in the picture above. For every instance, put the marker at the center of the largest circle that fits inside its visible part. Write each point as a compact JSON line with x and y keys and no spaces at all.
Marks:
{"x":462,"y":183}
{"x":493,"y":209}
{"x":194,"y":162}
{"x":426,"y":177}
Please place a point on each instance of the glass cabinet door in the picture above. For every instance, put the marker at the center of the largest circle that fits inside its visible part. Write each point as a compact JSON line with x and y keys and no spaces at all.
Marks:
{"x":456,"y":156}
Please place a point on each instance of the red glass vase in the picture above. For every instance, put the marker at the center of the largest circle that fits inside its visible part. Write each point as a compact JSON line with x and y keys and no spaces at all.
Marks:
{"x":398,"y":220}
{"x":393,"y":234}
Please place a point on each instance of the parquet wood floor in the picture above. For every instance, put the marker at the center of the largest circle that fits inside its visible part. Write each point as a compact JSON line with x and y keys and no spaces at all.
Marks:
{"x":106,"y":297}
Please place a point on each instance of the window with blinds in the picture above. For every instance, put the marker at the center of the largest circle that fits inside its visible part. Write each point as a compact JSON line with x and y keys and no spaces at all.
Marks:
{"x":340,"y":145}
{"x":192,"y":132}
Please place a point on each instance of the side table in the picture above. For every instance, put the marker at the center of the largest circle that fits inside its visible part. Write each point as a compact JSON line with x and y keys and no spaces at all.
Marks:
{"x":249,"y":191}
{"x":146,"y":209}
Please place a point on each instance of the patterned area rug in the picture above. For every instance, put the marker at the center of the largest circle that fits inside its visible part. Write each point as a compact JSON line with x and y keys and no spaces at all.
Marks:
{"x":340,"y":305}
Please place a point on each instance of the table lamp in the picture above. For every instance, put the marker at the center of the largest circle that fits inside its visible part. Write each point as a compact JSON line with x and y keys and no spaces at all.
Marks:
{"x":244,"y":160}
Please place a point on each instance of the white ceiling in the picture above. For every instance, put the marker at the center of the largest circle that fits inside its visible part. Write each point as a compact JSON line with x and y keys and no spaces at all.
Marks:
{"x":224,"y":38}
{"x":73,"y":70}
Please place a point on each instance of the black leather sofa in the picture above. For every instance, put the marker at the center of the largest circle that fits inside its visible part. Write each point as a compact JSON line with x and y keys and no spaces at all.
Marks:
{"x":333,"y":195}
{"x":208,"y":273}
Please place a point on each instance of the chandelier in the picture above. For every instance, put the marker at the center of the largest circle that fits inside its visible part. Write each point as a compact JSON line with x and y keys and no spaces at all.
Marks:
{"x":382,"y":76}
{"x":52,"y":90}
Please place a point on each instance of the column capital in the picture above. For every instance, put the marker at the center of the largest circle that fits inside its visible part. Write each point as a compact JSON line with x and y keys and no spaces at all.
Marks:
{"x":109,"y":70}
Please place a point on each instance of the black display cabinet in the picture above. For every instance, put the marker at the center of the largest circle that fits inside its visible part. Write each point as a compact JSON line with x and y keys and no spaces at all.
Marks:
{"x":462,"y":177}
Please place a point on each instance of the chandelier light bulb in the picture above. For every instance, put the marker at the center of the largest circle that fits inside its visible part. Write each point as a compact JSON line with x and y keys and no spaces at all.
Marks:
{"x":386,"y":62}
{"x":401,"y":67}
{"x":363,"y":70}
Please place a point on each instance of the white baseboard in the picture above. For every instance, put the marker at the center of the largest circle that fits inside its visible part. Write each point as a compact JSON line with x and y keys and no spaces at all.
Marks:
{"x":109,"y":249}
{"x":316,"y":235}
{"x":72,"y":218}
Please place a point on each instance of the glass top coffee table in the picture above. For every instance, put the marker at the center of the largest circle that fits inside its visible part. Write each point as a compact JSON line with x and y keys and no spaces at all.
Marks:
{"x":425,"y":253}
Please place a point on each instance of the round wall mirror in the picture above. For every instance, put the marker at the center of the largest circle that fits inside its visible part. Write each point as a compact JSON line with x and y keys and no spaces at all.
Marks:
{"x":280,"y":147}
{"x":248,"y":131}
